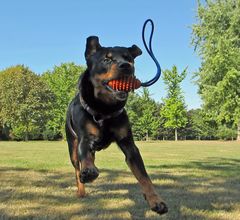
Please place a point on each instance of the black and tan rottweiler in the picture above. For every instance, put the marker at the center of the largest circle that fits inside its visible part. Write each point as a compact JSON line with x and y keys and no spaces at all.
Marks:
{"x":96,"y":117}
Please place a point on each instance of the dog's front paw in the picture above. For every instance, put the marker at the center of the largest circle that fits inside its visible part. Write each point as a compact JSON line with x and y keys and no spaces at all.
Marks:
{"x":88,"y":175}
{"x":160,"y":208}
{"x":156,"y":203}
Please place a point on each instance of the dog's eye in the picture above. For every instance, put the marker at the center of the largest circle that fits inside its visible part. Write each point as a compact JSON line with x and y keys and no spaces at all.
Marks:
{"x":107,"y":60}
{"x":127,"y":57}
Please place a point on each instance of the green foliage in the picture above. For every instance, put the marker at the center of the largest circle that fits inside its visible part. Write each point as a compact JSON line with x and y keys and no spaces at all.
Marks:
{"x":134,"y":113}
{"x":174,"y":113}
{"x":25,"y":102}
{"x":202,"y":127}
{"x":62,"y":81}
{"x":226,"y":133}
{"x":174,"y":110}
{"x":149,"y":122}
{"x":216,"y":36}
{"x":143,"y":114}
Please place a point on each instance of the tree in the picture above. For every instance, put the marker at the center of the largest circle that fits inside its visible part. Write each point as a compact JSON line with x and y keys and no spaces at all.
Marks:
{"x":62,"y":81}
{"x":202,"y":127}
{"x":174,"y":110}
{"x":25,"y":102}
{"x":149,"y":120}
{"x":226,"y":133}
{"x":216,"y":37}
{"x":189,"y":132}
{"x":143,"y":115}
{"x":134,"y":112}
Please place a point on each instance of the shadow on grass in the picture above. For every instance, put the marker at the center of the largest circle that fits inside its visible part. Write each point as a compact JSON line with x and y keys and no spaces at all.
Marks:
{"x":195,"y":190}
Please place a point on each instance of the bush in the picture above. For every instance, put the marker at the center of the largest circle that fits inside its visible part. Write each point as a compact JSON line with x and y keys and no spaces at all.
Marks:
{"x":226,"y":133}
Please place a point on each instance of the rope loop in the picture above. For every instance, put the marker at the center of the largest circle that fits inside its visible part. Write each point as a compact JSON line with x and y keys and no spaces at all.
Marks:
{"x":150,"y":52}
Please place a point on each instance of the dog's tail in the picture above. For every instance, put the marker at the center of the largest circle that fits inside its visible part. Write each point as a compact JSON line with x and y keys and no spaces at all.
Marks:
{"x":68,"y":125}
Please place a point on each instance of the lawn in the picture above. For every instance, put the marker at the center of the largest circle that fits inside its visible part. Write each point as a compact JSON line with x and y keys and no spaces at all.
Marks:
{"x":198,"y":180}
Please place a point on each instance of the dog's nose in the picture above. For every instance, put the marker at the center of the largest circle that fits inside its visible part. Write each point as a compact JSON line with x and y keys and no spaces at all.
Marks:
{"x":124,"y":65}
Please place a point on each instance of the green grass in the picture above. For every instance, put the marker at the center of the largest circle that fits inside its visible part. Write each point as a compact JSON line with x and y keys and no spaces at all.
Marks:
{"x":198,"y":180}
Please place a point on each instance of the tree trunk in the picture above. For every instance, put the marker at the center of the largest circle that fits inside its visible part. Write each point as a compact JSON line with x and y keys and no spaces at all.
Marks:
{"x":27,"y":133}
{"x":26,"y":137}
{"x":176,"y":137}
{"x":238,"y":131}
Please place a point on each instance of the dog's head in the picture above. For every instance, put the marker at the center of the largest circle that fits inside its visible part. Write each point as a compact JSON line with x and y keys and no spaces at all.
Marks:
{"x":108,"y":63}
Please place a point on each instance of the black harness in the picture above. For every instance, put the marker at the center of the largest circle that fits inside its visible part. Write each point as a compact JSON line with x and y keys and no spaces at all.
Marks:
{"x":98,"y":117}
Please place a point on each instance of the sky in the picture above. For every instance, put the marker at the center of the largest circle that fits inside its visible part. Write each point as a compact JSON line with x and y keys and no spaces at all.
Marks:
{"x":41,"y":34}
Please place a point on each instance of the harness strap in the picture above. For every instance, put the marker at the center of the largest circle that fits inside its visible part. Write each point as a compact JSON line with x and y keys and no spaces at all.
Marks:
{"x":98,"y":118}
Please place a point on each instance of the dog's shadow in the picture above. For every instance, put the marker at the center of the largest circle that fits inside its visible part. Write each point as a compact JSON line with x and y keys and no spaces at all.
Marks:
{"x":28,"y":194}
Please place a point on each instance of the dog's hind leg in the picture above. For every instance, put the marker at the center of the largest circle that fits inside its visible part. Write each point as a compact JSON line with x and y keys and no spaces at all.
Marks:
{"x":73,"y":152}
{"x":76,"y":164}
{"x":81,"y":188}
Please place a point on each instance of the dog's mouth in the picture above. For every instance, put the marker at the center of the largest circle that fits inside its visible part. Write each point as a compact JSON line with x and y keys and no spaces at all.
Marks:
{"x":118,"y":92}
{"x":121,"y":86}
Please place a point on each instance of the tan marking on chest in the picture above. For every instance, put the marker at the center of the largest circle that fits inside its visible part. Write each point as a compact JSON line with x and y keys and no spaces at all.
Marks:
{"x":92,"y":129}
{"x":121,"y":132}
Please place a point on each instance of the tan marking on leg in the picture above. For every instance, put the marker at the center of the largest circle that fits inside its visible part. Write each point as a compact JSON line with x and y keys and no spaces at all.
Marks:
{"x":80,"y":186}
{"x":81,"y":189}
{"x":89,"y":171}
{"x":75,"y":150}
{"x":147,"y":187}
{"x":88,"y":161}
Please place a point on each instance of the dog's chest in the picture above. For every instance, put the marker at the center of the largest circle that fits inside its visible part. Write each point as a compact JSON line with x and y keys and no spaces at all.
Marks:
{"x":97,"y":145}
{"x":102,"y":141}
{"x":106,"y":134}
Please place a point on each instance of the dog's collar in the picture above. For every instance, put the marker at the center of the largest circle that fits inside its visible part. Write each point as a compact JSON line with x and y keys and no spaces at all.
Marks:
{"x":98,"y":118}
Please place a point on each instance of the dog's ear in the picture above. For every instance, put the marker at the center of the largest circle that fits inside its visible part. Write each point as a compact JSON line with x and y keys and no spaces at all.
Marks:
{"x":92,"y":46}
{"x":135,"y":51}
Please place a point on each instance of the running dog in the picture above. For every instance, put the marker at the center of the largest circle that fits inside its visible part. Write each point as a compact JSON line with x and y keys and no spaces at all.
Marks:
{"x":96,"y":117}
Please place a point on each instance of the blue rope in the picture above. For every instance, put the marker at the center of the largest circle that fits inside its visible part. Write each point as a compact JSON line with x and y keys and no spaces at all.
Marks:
{"x":150,"y":52}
